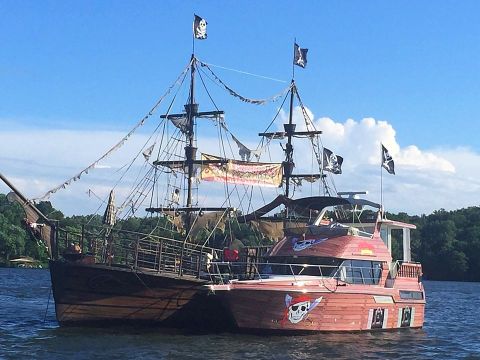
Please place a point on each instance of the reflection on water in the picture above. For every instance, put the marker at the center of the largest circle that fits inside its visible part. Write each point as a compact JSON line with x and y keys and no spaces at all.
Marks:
{"x":451,"y":331}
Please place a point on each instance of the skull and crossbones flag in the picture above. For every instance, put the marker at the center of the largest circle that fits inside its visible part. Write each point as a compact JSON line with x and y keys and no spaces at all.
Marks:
{"x":199,"y":28}
{"x":387,"y":161}
{"x":300,"y":57}
{"x":331,"y":162}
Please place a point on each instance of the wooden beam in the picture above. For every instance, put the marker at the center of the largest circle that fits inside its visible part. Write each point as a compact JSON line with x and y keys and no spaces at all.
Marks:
{"x":199,"y":114}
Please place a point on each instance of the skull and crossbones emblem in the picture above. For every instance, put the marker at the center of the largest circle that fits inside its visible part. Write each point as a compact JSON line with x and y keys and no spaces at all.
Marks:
{"x":200,"y":28}
{"x":298,"y":308}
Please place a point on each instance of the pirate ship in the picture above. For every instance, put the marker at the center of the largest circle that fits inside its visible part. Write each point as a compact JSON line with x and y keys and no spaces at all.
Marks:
{"x":167,"y":275}
{"x":106,"y":274}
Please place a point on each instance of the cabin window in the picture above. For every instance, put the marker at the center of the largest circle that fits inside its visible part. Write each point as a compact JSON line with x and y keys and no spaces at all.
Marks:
{"x":411,"y":295}
{"x":302,"y":265}
{"x":360,"y":272}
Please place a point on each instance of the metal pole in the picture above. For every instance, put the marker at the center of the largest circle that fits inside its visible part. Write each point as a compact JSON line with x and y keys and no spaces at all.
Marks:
{"x":381,"y":181}
{"x":193,"y":35}
{"x":293,"y":62}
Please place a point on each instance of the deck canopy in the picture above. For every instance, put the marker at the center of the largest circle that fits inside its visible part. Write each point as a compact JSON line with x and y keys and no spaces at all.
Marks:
{"x":321,"y":202}
{"x":316,"y":203}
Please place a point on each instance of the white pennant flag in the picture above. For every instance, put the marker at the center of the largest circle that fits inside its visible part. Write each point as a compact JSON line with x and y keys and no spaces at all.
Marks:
{"x":148,"y":152}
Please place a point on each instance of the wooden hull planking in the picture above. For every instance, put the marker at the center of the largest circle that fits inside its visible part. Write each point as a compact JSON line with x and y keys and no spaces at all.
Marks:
{"x":284,"y":310}
{"x":106,"y":295}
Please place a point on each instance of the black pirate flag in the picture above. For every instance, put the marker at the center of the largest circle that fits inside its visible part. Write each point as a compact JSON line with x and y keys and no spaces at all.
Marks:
{"x":387,"y":161}
{"x":300,"y":57}
{"x":199,"y":28}
{"x":332,"y":162}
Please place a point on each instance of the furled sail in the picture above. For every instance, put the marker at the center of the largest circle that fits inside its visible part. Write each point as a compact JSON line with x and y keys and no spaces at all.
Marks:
{"x":109,"y":217}
{"x":274,"y":229}
{"x":202,"y":221}
{"x":241,"y":172}
{"x":181,"y":123}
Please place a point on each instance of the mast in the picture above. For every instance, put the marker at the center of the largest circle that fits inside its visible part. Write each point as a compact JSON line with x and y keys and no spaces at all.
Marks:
{"x":289,"y":130}
{"x":190,"y":151}
{"x":191,"y":114}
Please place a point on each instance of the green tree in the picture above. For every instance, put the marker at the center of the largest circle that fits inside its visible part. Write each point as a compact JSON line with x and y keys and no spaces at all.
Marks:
{"x":12,"y":239}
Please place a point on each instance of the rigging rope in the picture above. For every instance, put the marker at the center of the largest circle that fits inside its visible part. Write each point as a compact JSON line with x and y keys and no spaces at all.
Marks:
{"x":316,"y":148}
{"x":223,"y":126}
{"x":119,"y":144}
{"x":242,"y":98}
{"x":135,"y":190}
{"x":247,"y":73}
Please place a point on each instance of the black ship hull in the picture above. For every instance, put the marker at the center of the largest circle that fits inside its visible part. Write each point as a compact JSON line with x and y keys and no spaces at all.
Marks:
{"x":103,"y":295}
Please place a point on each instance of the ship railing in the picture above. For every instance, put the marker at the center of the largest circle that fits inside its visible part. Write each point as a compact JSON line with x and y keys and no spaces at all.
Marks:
{"x":222,"y":272}
{"x":137,"y":251}
{"x":405,"y":269}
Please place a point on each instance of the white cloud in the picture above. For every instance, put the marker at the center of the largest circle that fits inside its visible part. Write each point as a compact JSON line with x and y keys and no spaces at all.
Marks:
{"x":412,"y":156}
{"x":426,"y":180}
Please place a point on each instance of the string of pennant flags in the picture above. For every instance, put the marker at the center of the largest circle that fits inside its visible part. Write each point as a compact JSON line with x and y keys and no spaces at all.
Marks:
{"x":120,"y":143}
{"x":243,"y":98}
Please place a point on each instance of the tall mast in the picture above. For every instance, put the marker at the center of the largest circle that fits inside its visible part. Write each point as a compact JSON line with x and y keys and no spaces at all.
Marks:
{"x":191,"y":114}
{"x":190,"y":151}
{"x":289,"y":130}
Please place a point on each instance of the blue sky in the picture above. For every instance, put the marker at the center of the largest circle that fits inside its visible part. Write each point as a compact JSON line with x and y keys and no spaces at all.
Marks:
{"x":101,"y":65}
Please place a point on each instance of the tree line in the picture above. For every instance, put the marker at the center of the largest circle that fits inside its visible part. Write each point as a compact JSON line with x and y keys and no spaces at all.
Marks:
{"x":447,"y":243}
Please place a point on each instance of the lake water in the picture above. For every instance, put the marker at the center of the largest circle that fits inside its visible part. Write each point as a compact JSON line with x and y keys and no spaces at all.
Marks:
{"x":29,"y":330}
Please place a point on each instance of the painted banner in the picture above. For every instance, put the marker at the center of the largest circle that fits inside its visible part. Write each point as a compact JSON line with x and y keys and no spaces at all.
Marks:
{"x":242,"y":172}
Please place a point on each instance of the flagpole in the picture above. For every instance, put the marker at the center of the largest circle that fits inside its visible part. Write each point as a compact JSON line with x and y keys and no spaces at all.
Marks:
{"x":381,"y":178}
{"x":193,"y":36}
{"x":293,"y":62}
